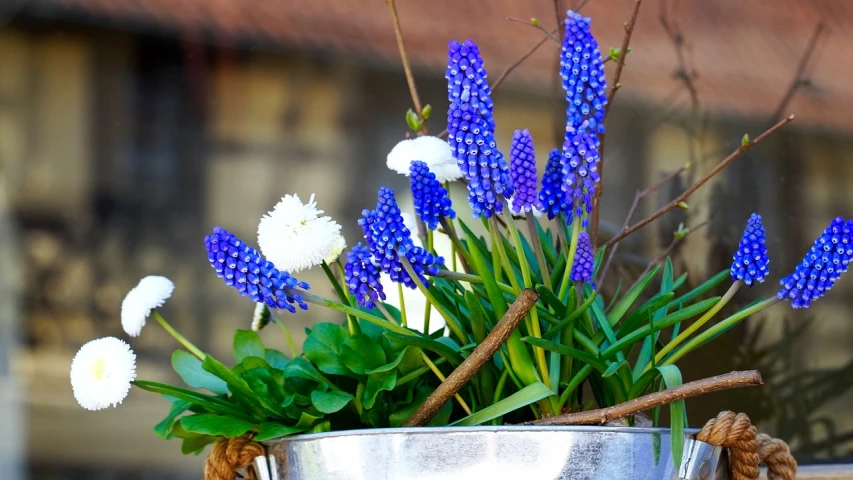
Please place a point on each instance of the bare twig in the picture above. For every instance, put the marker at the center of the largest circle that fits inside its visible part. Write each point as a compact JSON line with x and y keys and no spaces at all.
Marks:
{"x":479,"y":357}
{"x":537,"y":27}
{"x":799,"y":80}
{"x":601,"y":416}
{"x":407,"y":68}
{"x":683,"y":72}
{"x":637,"y":197}
{"x":623,"y":53}
{"x":720,"y":166}
{"x":581,"y":5}
{"x":558,"y":16}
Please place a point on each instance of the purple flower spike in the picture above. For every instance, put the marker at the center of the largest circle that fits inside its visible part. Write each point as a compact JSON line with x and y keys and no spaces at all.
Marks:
{"x":522,"y":172}
{"x":750,"y":260}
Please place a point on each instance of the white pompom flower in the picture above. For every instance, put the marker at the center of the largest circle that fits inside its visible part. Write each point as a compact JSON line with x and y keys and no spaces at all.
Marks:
{"x":433,"y":151}
{"x":101,"y":373}
{"x":261,"y":318}
{"x":294,"y":237}
{"x":337,"y":250}
{"x":151,"y":292}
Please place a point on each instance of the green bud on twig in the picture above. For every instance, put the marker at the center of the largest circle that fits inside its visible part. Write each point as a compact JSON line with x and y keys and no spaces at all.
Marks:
{"x":535,"y":22}
{"x":615,"y":53}
{"x":745,"y":140}
{"x":426,"y":112}
{"x":681,"y":232}
{"x":683,"y":206}
{"x":413,"y":121}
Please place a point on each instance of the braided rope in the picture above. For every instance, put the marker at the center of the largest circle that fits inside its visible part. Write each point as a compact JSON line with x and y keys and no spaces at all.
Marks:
{"x":229,"y":455}
{"x":747,"y":448}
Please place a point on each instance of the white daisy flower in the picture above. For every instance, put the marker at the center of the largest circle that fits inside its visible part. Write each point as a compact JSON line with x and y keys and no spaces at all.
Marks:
{"x":433,"y":151}
{"x":337,"y":250}
{"x":261,"y":318}
{"x":151,"y":292}
{"x":293,"y":236}
{"x":101,"y":373}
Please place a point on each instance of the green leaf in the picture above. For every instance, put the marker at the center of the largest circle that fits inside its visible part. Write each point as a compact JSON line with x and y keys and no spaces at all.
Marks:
{"x":584,"y":357}
{"x":361,"y":353}
{"x":247,"y":344}
{"x":413,"y":121}
{"x":551,"y":300}
{"x":679,"y":281}
{"x":642,"y":314}
{"x":323,"y":348}
{"x":238,"y":387}
{"x":306,"y":420}
{"x":425,"y":343}
{"x":376,"y":383}
{"x":217,"y":425}
{"x":210,"y":403}
{"x":527,"y":395}
{"x":302,"y":368}
{"x":276,"y":359}
{"x":597,"y":261}
{"x":631,"y":296}
{"x":572,"y":316}
{"x":476,"y":316}
{"x":613,"y":368}
{"x":330,"y":402}
{"x":399,"y":417}
{"x":672,"y":378}
{"x":269,"y":431}
{"x":705,"y":287}
{"x":188,"y":366}
{"x":164,"y":428}
{"x":496,"y":298}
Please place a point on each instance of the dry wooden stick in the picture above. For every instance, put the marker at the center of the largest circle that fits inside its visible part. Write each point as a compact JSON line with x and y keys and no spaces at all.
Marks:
{"x":479,"y":357}
{"x":623,"y":53}
{"x":601,"y":416}
{"x":407,"y":68}
{"x":720,"y":166}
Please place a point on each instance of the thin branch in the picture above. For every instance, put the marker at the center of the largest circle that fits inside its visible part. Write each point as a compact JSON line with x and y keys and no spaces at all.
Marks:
{"x":799,"y":80}
{"x":720,"y":166}
{"x":558,"y":16}
{"x":748,"y":378}
{"x":537,"y":27}
{"x":580,"y":5}
{"x":407,"y":68}
{"x":611,"y":252}
{"x":475,"y":361}
{"x":623,"y":53}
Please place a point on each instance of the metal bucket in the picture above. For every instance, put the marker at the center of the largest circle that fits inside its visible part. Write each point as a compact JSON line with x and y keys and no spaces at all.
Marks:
{"x":493,"y":453}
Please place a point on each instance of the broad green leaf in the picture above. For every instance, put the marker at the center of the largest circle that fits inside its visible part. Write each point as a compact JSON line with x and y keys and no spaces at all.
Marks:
{"x":247,"y":344}
{"x":527,"y":395}
{"x":306,"y":420}
{"x":330,"y":402}
{"x":631,"y":296}
{"x":276,"y":359}
{"x":322,"y":427}
{"x":665,"y":322}
{"x":323,"y":348}
{"x":193,"y":443}
{"x":302,"y":368}
{"x":577,"y":312}
{"x":361,"y":353}
{"x":399,"y":417}
{"x":584,"y":357}
{"x":164,"y":428}
{"x":188,"y":366}
{"x":269,"y":431}
{"x":238,"y":387}
{"x":424,"y":343}
{"x":262,"y":383}
{"x":672,"y":378}
{"x":376,"y":383}
{"x":208,"y":402}
{"x":218,"y":425}
{"x":705,"y":287}
{"x":390,"y":365}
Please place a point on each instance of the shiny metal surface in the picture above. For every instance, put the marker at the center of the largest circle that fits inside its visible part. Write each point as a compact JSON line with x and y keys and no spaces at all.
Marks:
{"x":493,"y":453}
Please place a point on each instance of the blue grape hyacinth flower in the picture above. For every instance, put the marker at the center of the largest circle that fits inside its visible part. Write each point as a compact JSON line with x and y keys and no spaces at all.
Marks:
{"x":389,"y":241}
{"x":584,"y":263}
{"x":750,"y":260}
{"x":551,"y":196}
{"x":582,"y":72}
{"x":821,"y":267}
{"x":522,"y":172}
{"x":430,"y":198}
{"x":362,"y":277}
{"x":580,"y":175}
{"x":467,"y":81}
{"x":250,"y":274}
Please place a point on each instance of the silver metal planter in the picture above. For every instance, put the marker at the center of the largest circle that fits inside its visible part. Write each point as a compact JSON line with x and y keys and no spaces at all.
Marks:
{"x":490,"y":453}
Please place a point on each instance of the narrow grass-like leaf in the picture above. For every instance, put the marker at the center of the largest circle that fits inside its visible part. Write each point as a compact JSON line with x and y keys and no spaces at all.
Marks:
{"x":210,"y":403}
{"x":631,"y":296}
{"x":572,"y":316}
{"x":700,"y":290}
{"x":598,"y":260}
{"x":527,"y":395}
{"x":548,"y":298}
{"x":672,"y":378}
{"x":582,"y":356}
{"x":453,"y":357}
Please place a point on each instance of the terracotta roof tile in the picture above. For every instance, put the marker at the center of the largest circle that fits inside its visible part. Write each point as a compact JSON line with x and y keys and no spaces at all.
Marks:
{"x":745,"y":52}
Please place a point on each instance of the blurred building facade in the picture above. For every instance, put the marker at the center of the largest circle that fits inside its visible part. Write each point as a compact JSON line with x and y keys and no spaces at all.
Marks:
{"x":129,"y":129}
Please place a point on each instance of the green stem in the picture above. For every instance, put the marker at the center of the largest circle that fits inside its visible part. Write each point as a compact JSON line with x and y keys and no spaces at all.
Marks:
{"x":717,"y":329}
{"x":537,"y":249}
{"x":342,"y":294}
{"x":403,"y":317}
{"x":430,"y":245}
{"x":325,"y":302}
{"x":450,"y":321}
{"x":287,"y":337}
{"x":473,"y":279}
{"x":695,"y":326}
{"x":498,"y":244}
{"x":177,"y":336}
{"x":570,"y":258}
{"x":574,"y":384}
{"x":465,"y":255}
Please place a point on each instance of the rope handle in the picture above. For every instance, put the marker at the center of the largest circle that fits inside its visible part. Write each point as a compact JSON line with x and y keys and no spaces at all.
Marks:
{"x":747,"y":448}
